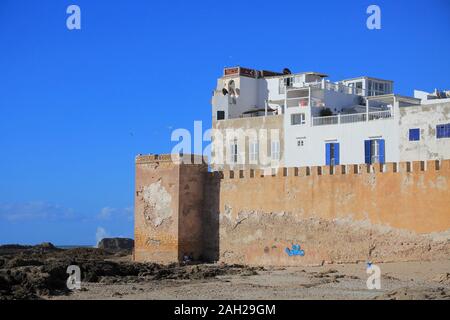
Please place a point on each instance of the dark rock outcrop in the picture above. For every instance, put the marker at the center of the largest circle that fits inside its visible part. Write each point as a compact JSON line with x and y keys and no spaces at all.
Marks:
{"x":116,"y":244}
{"x":29,"y":272}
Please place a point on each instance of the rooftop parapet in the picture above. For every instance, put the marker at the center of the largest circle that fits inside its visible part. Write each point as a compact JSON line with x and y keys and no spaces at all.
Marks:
{"x":174,"y":158}
{"x":349,"y":169}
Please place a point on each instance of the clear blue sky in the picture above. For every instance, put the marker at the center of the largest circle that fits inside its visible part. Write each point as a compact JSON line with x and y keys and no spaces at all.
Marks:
{"x":77,"y":106}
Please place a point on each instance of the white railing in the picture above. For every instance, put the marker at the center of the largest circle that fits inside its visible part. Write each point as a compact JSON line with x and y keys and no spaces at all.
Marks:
{"x":338,"y":87}
{"x":379,"y":115}
{"x":352,"y":118}
{"x":323,"y":121}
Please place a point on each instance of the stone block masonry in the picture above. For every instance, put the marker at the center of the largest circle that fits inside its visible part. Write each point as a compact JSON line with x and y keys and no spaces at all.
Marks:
{"x":391,"y":212}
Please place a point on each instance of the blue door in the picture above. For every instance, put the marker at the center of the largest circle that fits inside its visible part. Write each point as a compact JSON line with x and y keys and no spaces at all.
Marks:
{"x":332,"y":154}
{"x":374,"y":151}
{"x":328,"y":154}
{"x":381,"y":150}
{"x":367,"y":157}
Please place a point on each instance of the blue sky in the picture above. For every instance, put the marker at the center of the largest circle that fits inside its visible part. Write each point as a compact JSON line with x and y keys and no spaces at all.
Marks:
{"x":77,"y":106}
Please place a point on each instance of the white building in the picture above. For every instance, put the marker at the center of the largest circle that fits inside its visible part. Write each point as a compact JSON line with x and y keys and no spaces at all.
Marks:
{"x":358,"y":120}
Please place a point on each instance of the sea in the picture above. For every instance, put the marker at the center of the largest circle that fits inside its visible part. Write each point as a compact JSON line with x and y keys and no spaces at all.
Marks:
{"x":74,"y":246}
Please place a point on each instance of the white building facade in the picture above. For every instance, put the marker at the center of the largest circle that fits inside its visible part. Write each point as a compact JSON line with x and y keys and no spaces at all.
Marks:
{"x":352,"y":121}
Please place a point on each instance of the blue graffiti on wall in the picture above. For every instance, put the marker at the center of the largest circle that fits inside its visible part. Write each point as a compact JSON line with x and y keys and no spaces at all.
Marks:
{"x":295,"y":251}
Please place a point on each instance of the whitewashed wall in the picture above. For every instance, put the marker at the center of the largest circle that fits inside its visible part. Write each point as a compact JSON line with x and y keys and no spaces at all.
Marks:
{"x":425,"y":117}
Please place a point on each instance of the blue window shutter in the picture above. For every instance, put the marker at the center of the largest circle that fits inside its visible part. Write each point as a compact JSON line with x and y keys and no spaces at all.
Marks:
{"x":439,"y":130}
{"x":367,"y":151}
{"x":336,"y":153}
{"x":414,"y":134}
{"x":443,"y":131}
{"x":381,"y":151}
{"x":327,"y":154}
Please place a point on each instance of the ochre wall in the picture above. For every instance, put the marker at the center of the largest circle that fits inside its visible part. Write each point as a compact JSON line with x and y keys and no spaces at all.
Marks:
{"x":348,"y":213}
{"x":190,"y":217}
{"x":335,"y":217}
{"x":168,"y":209}
{"x":156,"y":208}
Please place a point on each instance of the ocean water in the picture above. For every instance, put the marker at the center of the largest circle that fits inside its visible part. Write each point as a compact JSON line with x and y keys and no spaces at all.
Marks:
{"x":73,"y":246}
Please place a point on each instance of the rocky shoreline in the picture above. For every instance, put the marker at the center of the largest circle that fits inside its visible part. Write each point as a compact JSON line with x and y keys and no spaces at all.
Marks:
{"x":39,"y":272}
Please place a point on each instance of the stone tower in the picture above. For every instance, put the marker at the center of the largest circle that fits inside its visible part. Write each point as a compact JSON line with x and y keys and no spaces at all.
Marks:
{"x":168,"y":207}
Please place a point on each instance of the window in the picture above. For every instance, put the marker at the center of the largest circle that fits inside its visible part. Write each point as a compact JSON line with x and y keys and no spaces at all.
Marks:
{"x":443,"y":131}
{"x":220,"y":115}
{"x":234,"y":152}
{"x":414,"y":134}
{"x":332,"y":154}
{"x":288,"y":82}
{"x":297,"y":118}
{"x":281,"y":87}
{"x":254,"y":151}
{"x":275,"y":150}
{"x":285,"y":83}
{"x":374,"y":151}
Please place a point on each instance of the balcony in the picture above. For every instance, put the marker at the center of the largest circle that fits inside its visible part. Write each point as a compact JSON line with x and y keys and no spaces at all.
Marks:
{"x":331,"y":86}
{"x":352,"y":118}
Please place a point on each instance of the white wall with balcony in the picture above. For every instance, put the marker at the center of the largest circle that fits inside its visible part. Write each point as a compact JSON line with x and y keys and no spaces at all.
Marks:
{"x":305,"y":144}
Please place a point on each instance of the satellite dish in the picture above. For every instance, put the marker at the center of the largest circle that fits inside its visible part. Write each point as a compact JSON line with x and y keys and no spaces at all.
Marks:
{"x":286,"y":71}
{"x":224,"y":91}
{"x":231,"y":87}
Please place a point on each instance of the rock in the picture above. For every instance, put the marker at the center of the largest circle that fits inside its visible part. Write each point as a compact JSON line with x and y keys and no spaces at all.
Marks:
{"x":116,"y":244}
{"x":415,"y":294}
{"x":443,"y":278}
{"x":47,"y":245}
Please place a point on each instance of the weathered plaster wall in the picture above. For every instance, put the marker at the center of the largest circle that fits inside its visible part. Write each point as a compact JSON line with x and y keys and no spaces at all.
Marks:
{"x":168,"y":209}
{"x":345,"y":214}
{"x":347,"y":217}
{"x":156,"y":208}
{"x":424,"y":117}
{"x":190,"y":215}
{"x":259,"y":126}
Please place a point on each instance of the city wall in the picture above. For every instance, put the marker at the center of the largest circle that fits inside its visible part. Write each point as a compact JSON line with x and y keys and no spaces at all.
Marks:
{"x":391,"y":212}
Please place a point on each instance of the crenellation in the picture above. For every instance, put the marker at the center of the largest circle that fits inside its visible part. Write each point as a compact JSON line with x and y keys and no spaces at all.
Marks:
{"x":317,"y":171}
{"x":390,"y":167}
{"x":326,"y":170}
{"x":378,"y":168}
{"x":176,"y":203}
{"x":416,"y":166}
{"x":446,"y":164}
{"x":291,"y":172}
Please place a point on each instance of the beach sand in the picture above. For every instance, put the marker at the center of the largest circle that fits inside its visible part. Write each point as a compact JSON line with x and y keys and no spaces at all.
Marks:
{"x":40,"y":272}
